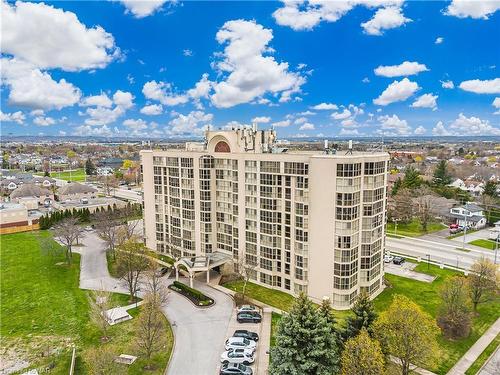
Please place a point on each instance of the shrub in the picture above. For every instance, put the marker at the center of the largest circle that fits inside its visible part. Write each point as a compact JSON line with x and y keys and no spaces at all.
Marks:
{"x":195,"y":294}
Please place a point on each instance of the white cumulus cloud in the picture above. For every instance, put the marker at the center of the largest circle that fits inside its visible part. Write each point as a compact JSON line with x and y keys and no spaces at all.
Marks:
{"x":385,"y":19}
{"x":44,"y":121}
{"x":397,"y":91}
{"x":30,"y":87}
{"x":426,"y":101}
{"x":341,"y":115}
{"x":473,"y":9}
{"x":325,"y":106}
{"x":190,"y":124}
{"x":406,"y":68}
{"x":281,"y":124}
{"x":419,"y":130}
{"x":17,"y":117}
{"x":142,"y":8}
{"x":48,"y":37}
{"x":447,"y":85}
{"x":439,"y":40}
{"x":101,"y":100}
{"x":307,"y":126}
{"x":440,"y":130}
{"x":261,"y":119}
{"x":248,"y":71}
{"x":393,"y":126}
{"x":152,"y":110}
{"x":464,"y":125}
{"x":478,"y":86}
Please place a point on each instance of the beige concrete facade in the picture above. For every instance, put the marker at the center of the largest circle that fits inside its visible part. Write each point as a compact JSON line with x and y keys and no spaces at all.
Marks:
{"x":308,"y":221}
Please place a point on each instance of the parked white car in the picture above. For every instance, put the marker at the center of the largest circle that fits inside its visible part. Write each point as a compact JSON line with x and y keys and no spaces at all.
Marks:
{"x":244,"y":356}
{"x":247,"y":308}
{"x":240,"y":343}
{"x":388,"y":258}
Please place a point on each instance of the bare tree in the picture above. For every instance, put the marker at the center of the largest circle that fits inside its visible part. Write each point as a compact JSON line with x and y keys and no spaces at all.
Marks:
{"x":454,"y":317}
{"x":426,"y":203}
{"x":155,"y":287}
{"x":108,"y":229}
{"x":246,"y":269}
{"x":488,"y":203}
{"x":150,"y":329}
{"x":110,"y":183}
{"x":483,"y":281}
{"x":101,"y":361}
{"x":67,"y":232}
{"x":132,"y":263}
{"x":99,"y":301}
{"x":400,"y":206}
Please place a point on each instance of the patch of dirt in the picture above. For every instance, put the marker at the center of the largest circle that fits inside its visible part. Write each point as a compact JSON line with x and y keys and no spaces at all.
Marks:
{"x":20,"y":353}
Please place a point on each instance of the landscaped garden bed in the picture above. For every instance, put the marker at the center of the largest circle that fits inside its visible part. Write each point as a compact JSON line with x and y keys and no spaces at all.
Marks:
{"x":195,"y":296}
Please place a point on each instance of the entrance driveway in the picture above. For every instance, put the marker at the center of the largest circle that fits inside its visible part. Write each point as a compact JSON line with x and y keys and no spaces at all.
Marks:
{"x":406,"y":270}
{"x":199,"y":333}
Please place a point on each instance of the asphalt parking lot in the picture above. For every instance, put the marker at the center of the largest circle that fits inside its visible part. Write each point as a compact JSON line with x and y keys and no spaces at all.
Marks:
{"x":261,"y":359}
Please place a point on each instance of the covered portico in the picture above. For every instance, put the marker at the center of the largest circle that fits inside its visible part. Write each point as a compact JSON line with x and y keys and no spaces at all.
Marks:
{"x":200,"y":263}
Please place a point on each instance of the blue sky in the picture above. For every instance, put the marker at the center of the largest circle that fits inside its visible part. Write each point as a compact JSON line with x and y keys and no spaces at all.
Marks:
{"x":168,"y":69}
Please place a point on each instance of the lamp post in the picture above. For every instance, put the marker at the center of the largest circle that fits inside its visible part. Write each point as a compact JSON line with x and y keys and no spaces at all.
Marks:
{"x":496,"y":249}
{"x":465,"y":230}
{"x":137,"y":290}
{"x":428,"y":261}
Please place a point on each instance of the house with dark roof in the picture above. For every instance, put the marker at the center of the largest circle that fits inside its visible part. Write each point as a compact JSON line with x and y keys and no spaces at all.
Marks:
{"x":469,"y":216}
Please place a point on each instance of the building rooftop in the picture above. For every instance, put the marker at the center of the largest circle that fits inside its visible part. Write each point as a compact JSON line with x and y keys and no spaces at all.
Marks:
{"x":29,"y":190}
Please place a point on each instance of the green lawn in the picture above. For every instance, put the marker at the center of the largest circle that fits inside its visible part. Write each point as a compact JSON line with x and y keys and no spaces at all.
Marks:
{"x":427,"y":296}
{"x":487,"y":244}
{"x":485,"y":355}
{"x":413,"y":228}
{"x":43,"y":308}
{"x":73,"y":175}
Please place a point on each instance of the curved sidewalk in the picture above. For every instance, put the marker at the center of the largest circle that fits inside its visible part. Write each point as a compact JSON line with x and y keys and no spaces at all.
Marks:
{"x":199,"y":333}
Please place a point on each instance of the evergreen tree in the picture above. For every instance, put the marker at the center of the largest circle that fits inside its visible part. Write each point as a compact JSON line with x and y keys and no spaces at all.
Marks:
{"x":364,"y":316}
{"x":46,"y":174}
{"x":89,"y":167}
{"x":441,"y":176}
{"x":305,"y":342}
{"x":490,"y":188}
{"x":412,"y":178}
{"x":397,"y":185}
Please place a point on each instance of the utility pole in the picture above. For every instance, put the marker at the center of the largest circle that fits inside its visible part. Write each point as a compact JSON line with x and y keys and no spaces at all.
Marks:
{"x":496,"y":249}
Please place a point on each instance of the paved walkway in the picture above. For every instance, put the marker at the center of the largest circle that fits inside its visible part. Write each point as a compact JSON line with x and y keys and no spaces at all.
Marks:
{"x":492,"y":367}
{"x":406,"y":270}
{"x":475,"y":351}
{"x":199,"y":333}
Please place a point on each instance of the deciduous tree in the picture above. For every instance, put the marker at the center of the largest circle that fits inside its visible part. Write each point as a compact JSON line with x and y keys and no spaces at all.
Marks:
{"x":454,"y":317}
{"x":101,"y":361}
{"x":67,"y":232}
{"x":482,"y":281}
{"x":99,"y":302}
{"x":150,"y":335}
{"x":407,"y":333}
{"x":131,"y":264}
{"x":108,"y":229}
{"x":362,"y":356}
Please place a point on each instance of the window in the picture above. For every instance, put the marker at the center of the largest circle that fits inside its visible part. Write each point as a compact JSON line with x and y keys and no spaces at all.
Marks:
{"x":348,"y":170}
{"x":374,"y":167}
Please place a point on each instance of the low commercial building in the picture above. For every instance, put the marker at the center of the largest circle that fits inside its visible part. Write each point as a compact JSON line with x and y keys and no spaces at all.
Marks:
{"x":307,"y":221}
{"x":14,"y":217}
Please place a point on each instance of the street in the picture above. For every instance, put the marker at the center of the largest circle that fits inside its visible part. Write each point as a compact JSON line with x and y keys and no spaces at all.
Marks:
{"x":439,"y":250}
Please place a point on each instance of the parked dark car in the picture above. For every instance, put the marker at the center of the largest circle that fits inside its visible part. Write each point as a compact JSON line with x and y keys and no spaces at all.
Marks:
{"x":163,"y":271}
{"x":235,"y":368}
{"x":246,"y":334}
{"x":247,"y":317}
{"x":398,"y":260}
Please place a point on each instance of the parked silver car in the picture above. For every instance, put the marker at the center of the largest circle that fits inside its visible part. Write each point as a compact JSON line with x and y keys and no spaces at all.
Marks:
{"x":240,"y":343}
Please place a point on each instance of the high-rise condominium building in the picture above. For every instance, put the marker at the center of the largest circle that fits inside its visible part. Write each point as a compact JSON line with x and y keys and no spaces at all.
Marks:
{"x":297,"y":221}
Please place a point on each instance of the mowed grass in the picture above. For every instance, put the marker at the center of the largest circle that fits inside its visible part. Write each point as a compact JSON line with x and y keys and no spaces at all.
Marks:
{"x":426,"y":295}
{"x":413,"y":228}
{"x":486,"y":244}
{"x":43,"y":309}
{"x":73,"y":175}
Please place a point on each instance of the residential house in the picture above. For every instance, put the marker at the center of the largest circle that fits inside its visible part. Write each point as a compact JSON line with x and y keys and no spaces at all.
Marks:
{"x":469,"y":216}
{"x":75,"y":191}
{"x":43,"y":196}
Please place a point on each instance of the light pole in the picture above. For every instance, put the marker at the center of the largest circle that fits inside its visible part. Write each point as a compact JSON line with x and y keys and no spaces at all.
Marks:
{"x":496,"y":249}
{"x":465,"y":230}
{"x":428,"y":261}
{"x":137,"y":290}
